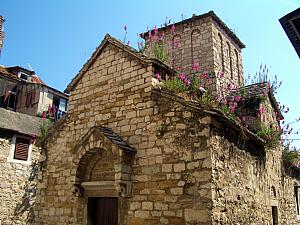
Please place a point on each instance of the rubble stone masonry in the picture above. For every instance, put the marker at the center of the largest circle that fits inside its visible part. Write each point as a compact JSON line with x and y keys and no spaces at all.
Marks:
{"x":18,"y":186}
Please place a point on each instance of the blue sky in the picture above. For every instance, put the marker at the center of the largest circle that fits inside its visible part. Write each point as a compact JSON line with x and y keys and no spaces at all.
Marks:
{"x":57,"y":37}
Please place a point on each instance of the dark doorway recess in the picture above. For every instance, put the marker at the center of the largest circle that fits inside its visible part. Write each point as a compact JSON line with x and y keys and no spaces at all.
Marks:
{"x":103,"y":211}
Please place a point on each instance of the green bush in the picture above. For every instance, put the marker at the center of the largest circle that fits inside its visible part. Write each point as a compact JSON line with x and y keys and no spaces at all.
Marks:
{"x":270,"y":134}
{"x":44,"y":129}
{"x":175,"y":85}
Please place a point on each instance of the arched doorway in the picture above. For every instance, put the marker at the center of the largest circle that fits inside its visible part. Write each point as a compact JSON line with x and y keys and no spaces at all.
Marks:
{"x":103,"y":178}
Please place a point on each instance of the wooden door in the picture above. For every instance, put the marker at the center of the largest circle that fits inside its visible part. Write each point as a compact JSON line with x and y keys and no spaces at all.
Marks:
{"x":103,"y":211}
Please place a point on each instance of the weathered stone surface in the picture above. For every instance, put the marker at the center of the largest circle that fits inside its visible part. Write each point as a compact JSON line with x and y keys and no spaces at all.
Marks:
{"x":18,"y":186}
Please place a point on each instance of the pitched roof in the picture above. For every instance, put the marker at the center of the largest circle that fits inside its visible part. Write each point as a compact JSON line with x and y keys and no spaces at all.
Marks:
{"x":4,"y":71}
{"x":259,"y":90}
{"x":11,"y":73}
{"x":19,"y":122}
{"x":211,"y":14}
{"x":117,"y":43}
{"x":291,"y":26}
{"x":116,"y":139}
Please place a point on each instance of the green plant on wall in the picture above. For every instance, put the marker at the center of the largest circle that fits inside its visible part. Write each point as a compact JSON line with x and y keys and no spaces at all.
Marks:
{"x":175,"y":85}
{"x":290,"y":157}
{"x":270,"y":134}
{"x":159,"y":51}
{"x":44,"y":129}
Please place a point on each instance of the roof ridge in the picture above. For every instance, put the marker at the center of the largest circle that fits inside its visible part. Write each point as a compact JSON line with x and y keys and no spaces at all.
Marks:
{"x":213,"y":15}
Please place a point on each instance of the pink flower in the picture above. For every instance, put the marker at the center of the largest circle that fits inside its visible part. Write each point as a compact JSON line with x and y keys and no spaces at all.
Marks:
{"x":173,"y":28}
{"x":184,"y":79}
{"x":237,"y":98}
{"x":229,"y":87}
{"x":195,"y":67}
{"x":222,"y":74}
{"x":125,"y":27}
{"x":44,"y":115}
{"x":157,"y":75}
{"x":203,"y":75}
{"x":155,"y":30}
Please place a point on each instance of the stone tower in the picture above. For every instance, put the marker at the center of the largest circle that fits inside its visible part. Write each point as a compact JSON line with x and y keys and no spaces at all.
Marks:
{"x":206,"y":41}
{"x":2,"y":34}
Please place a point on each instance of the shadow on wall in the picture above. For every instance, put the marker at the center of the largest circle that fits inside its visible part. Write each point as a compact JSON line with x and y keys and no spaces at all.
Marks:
{"x":26,"y":205}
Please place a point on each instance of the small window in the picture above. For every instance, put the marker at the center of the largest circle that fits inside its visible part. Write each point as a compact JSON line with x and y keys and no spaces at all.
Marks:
{"x":273,"y":191}
{"x":297,"y":199}
{"x":11,"y":100}
{"x":63,"y":105}
{"x":23,"y":76}
{"x":21,"y":148}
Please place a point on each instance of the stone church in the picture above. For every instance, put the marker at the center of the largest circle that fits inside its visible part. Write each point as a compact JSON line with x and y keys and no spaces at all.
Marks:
{"x":129,"y":153}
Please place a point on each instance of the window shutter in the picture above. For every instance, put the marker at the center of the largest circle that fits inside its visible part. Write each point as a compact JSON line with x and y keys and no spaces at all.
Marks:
{"x":28,"y":99}
{"x":32,"y":96}
{"x":22,"y":148}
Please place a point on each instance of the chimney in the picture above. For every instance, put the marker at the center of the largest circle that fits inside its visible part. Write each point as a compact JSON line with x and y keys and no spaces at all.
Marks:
{"x":2,"y":34}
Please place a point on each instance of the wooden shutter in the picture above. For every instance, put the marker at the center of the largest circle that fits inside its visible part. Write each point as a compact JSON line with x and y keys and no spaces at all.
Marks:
{"x":28,"y":99}
{"x":33,"y":97}
{"x":22,"y":148}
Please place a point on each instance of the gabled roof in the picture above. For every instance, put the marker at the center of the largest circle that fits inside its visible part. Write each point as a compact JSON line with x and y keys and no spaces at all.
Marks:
{"x":107,"y":133}
{"x":116,"y":139}
{"x":6,"y":73}
{"x":113,"y":41}
{"x":12,"y":73}
{"x":211,"y":14}
{"x":20,"y":123}
{"x":291,"y":26}
{"x":260,"y":90}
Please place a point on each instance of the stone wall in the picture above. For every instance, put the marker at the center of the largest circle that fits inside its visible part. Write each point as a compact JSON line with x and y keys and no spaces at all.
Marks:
{"x":248,"y":182}
{"x":227,"y":56}
{"x":289,"y":214}
{"x":18,"y":186}
{"x":190,"y":42}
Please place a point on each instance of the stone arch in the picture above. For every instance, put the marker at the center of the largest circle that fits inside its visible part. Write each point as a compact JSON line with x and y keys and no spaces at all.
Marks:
{"x":273,"y":191}
{"x":176,"y":51}
{"x":103,"y":172}
{"x":96,"y":151}
{"x":90,"y":161}
{"x":196,"y":47}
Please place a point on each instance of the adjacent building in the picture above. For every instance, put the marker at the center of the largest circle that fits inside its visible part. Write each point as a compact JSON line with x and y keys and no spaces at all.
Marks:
{"x":24,"y":99}
{"x":291,"y":26}
{"x":21,"y":90}
{"x":19,"y":166}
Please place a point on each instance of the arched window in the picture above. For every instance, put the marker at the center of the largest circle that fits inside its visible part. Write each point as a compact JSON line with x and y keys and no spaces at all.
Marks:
{"x":176,"y":52}
{"x":238,"y":67}
{"x":222,"y":52}
{"x":196,"y":47}
{"x":273,"y":191}
{"x":230,"y":61}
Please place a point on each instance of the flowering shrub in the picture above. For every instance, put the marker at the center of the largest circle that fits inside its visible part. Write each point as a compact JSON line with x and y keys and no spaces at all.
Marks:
{"x":291,"y":157}
{"x":270,"y":134}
